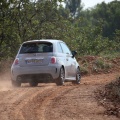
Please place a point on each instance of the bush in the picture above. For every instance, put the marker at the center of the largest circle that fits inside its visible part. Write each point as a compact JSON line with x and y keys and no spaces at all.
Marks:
{"x":101,"y":65}
{"x":84,"y":70}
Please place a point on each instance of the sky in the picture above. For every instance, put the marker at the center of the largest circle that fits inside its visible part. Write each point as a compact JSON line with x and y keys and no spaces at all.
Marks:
{"x":92,"y":3}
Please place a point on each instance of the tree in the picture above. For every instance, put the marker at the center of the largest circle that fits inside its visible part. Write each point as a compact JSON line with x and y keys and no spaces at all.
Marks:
{"x":110,"y":15}
{"x":83,"y":30}
{"x":74,"y":6}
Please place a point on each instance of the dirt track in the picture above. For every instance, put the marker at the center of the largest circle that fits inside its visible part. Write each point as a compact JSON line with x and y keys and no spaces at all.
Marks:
{"x":50,"y":102}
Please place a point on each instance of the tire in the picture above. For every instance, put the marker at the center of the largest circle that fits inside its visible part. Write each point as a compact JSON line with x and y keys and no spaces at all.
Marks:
{"x":61,"y":78}
{"x":33,"y":83}
{"x":78,"y":76}
{"x":16,"y":83}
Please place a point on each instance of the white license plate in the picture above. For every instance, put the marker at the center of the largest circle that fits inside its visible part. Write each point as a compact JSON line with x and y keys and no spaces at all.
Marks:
{"x":30,"y":61}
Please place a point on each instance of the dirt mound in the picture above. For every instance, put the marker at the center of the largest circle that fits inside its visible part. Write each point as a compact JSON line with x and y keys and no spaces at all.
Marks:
{"x":98,"y":65}
{"x":109,"y":97}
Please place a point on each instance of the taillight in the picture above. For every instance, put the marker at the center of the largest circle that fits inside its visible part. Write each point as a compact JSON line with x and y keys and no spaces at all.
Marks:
{"x":53,"y":60}
{"x":16,"y":62}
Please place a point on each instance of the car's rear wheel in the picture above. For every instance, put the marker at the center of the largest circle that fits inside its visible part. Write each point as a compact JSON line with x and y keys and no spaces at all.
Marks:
{"x":61,"y":78}
{"x":33,"y":83}
{"x":16,"y":83}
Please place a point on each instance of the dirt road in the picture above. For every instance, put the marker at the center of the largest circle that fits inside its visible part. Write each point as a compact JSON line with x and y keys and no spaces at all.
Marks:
{"x":50,"y":102}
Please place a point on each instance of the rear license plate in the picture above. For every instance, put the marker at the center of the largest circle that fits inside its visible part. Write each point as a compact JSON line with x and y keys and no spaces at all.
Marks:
{"x":30,"y":61}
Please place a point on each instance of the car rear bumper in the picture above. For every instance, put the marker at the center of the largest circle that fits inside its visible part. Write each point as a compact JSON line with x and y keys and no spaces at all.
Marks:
{"x":41,"y":72}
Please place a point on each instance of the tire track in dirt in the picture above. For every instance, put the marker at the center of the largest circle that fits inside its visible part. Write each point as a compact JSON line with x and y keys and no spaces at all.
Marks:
{"x":11,"y":105}
{"x":71,"y":101}
{"x":77,"y":104}
{"x":40,"y":103}
{"x":50,"y":102}
{"x":9,"y":102}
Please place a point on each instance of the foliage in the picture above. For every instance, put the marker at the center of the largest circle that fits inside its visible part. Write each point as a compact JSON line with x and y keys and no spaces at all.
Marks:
{"x":110,"y":15}
{"x":89,"y":32}
{"x":101,"y":65}
{"x":84,"y":70}
{"x":73,"y":6}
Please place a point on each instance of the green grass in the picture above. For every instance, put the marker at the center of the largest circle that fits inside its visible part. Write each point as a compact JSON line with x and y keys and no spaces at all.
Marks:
{"x":110,"y":55}
{"x":101,"y":64}
{"x":84,"y":70}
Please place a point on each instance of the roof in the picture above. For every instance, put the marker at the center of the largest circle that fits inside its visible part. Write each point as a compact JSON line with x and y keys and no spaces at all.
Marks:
{"x":49,"y":40}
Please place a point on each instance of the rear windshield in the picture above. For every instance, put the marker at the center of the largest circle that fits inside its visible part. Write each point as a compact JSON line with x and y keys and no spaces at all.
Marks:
{"x":36,"y":48}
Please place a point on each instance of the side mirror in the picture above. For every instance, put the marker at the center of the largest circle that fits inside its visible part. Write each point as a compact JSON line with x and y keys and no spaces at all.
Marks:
{"x":74,"y":53}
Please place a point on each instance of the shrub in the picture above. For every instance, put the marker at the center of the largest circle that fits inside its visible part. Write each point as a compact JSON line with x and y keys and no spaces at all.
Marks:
{"x":84,"y":70}
{"x":101,"y":65}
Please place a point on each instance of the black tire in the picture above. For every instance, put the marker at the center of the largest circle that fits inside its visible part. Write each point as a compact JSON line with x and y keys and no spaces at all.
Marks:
{"x":16,"y":83}
{"x":78,"y":76}
{"x":61,"y":78}
{"x":33,"y":83}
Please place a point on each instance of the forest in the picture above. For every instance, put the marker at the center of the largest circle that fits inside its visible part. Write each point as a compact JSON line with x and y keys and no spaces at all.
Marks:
{"x":92,"y":31}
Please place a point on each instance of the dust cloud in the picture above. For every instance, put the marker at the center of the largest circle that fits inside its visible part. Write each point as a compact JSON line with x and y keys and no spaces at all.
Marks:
{"x":5,"y":82}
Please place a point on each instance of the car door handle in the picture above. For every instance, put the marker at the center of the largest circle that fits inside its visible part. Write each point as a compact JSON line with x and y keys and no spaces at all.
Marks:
{"x":66,"y":59}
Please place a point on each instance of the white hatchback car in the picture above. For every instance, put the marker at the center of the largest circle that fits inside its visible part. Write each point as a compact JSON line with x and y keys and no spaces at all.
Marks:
{"x":43,"y":61}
